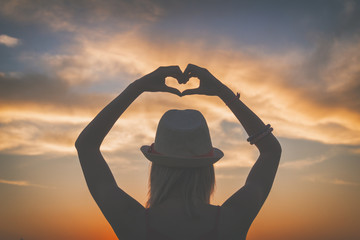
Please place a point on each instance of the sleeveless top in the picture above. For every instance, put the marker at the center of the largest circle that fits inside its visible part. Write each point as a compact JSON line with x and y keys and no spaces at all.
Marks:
{"x":152,"y":234}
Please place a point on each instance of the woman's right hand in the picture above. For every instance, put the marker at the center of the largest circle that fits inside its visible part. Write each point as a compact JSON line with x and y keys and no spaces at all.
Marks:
{"x":209,"y":85}
{"x":155,"y":81}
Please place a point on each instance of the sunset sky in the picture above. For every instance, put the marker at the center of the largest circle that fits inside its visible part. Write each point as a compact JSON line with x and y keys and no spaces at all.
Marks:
{"x":295,"y":63}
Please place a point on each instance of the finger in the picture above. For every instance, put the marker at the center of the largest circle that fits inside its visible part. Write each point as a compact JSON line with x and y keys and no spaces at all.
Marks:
{"x":191,"y":91}
{"x":175,"y":72}
{"x":192,"y":70}
{"x":172,"y":90}
{"x":192,"y":74}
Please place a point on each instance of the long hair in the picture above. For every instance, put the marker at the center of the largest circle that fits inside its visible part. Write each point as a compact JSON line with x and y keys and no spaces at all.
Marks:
{"x":196,"y":185}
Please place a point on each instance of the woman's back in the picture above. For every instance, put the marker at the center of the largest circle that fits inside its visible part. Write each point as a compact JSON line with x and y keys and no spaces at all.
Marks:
{"x":169,"y":221}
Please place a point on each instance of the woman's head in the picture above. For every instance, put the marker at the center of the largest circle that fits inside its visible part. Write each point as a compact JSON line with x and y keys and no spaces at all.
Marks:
{"x":182,"y":140}
{"x":182,"y":159}
{"x":193,"y":185}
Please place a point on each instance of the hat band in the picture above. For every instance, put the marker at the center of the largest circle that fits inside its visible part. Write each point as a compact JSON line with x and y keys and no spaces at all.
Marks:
{"x":209,"y":154}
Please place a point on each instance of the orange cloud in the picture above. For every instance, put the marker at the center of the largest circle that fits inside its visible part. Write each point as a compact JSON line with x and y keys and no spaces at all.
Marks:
{"x":295,"y":108}
{"x":9,"y":41}
{"x":21,"y":183}
{"x":302,"y":163}
{"x":334,"y":181}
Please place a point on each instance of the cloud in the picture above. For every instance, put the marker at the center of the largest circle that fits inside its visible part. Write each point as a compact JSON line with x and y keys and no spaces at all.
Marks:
{"x":34,"y":137}
{"x":300,"y":99}
{"x":332,"y":71}
{"x":343,"y":182}
{"x":26,"y":91}
{"x":348,"y":22}
{"x":22,"y":183}
{"x":302,"y":163}
{"x":107,"y":15}
{"x":9,"y":41}
{"x":39,"y":114}
{"x":334,"y":181}
{"x":91,"y":64}
{"x":72,"y":96}
{"x":35,"y":132}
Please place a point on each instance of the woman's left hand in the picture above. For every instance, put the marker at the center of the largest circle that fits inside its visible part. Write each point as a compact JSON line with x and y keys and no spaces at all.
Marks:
{"x":155,"y":81}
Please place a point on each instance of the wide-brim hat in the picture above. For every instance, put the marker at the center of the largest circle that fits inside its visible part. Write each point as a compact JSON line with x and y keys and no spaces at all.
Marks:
{"x":182,"y":140}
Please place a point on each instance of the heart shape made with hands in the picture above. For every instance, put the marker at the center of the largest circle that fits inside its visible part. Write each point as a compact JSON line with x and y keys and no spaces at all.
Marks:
{"x":191,"y":84}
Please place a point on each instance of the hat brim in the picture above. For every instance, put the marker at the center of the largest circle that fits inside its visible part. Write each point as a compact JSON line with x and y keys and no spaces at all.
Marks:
{"x":176,"y":161}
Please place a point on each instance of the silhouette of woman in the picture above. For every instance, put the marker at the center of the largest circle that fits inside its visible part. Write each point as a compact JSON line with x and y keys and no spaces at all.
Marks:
{"x":182,"y":173}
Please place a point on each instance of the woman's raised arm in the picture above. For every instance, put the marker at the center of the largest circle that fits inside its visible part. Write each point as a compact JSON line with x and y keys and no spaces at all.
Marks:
{"x":249,"y":199}
{"x":117,"y":206}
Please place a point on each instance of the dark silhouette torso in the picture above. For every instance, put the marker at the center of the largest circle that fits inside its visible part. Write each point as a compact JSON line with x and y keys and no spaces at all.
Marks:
{"x":169,"y":221}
